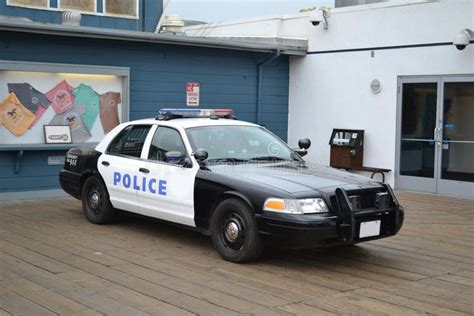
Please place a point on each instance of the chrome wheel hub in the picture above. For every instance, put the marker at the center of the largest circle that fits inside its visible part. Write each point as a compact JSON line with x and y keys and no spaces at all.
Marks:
{"x":94,"y":200}
{"x":232,"y":231}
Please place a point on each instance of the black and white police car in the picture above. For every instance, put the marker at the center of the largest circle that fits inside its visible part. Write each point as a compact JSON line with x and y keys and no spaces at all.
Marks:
{"x":230,"y":179}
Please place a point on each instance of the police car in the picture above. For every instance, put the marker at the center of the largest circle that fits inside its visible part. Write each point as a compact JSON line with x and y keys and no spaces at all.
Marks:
{"x":232,"y":180}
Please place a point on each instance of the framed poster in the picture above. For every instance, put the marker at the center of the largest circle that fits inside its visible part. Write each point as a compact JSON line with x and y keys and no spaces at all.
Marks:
{"x":91,"y":100}
{"x":57,"y":134}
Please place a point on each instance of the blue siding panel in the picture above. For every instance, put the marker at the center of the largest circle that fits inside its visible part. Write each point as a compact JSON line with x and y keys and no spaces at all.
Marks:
{"x":158,"y":76}
{"x":27,"y":13}
{"x":153,"y":10}
{"x":123,"y":24}
{"x":90,"y":20}
{"x":43,"y":16}
{"x":107,"y":22}
{"x":100,"y":6}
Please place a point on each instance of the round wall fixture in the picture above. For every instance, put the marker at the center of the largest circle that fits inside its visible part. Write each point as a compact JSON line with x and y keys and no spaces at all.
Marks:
{"x":376,"y":86}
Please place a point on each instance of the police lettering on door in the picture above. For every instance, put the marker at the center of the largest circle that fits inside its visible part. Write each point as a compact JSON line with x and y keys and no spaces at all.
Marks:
{"x":152,"y":185}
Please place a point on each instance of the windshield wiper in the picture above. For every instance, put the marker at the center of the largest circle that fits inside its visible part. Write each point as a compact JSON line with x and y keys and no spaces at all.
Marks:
{"x":229,"y":159}
{"x":270,"y":158}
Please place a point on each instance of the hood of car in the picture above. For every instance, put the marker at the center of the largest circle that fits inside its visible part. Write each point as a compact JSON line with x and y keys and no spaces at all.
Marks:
{"x":294,"y":177}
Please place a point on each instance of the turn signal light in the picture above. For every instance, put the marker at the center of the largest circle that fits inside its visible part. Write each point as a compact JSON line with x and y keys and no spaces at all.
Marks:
{"x":276,"y":205}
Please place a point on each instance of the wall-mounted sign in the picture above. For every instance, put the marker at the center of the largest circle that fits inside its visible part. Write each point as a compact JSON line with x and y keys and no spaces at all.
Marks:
{"x":192,"y":93}
{"x":57,"y":134}
{"x":88,"y":104}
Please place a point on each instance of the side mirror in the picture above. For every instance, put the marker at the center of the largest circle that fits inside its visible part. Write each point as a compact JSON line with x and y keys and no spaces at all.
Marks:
{"x":304,"y":143}
{"x":177,"y":158}
{"x":174,"y":157}
{"x":200,"y":155}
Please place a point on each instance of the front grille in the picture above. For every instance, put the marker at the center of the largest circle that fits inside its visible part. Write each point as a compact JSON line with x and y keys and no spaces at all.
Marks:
{"x":366,"y":199}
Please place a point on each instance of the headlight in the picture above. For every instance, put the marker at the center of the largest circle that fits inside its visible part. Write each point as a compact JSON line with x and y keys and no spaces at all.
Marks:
{"x":303,"y":206}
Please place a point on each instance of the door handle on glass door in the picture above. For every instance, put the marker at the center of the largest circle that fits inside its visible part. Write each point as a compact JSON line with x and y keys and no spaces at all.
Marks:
{"x":438,"y":136}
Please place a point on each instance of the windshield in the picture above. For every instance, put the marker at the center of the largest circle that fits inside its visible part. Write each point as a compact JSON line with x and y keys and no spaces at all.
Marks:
{"x":240,"y":143}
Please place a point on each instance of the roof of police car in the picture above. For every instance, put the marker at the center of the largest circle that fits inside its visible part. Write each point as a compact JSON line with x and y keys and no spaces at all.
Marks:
{"x":195,"y":122}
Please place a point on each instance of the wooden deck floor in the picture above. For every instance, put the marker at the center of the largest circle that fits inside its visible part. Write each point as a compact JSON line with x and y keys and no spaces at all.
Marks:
{"x":52,"y":261}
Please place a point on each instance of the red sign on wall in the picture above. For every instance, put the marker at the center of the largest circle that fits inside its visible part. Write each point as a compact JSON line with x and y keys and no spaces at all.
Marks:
{"x":192,"y":93}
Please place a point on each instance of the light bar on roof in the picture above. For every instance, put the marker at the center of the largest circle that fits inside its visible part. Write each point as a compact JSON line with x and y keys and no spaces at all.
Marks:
{"x":170,"y":113}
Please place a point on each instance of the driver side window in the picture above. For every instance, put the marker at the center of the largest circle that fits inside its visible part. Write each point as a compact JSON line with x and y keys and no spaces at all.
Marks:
{"x":165,"y":139}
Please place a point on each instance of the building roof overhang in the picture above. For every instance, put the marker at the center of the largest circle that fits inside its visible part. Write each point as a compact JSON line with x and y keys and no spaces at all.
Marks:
{"x":284,"y":46}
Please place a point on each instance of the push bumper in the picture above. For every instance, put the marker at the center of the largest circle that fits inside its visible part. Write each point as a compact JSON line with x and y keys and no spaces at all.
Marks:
{"x":320,"y":230}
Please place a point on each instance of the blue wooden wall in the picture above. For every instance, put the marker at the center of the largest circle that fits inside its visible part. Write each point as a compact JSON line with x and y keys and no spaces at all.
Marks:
{"x":146,"y":22}
{"x":158,"y":75}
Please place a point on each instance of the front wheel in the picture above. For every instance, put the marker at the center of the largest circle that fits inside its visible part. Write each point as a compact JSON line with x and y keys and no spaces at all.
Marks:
{"x":95,"y":201}
{"x":234,"y":231}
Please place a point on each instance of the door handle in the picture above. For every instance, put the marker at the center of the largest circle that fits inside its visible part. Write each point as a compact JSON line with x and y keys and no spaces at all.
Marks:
{"x":144,"y":170}
{"x":438,"y":136}
{"x":106,"y":163}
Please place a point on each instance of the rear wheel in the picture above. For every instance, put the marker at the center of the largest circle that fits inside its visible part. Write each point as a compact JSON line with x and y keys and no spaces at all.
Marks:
{"x":234,"y":231}
{"x":95,"y":201}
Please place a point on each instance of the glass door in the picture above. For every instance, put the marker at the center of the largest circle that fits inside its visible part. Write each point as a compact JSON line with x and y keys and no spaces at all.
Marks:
{"x":457,"y":137}
{"x":418,"y":113}
{"x":435,"y":135}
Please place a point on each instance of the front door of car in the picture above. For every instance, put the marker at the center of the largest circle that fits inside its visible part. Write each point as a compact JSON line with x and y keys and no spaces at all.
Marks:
{"x":169,"y":193}
{"x":120,"y":167}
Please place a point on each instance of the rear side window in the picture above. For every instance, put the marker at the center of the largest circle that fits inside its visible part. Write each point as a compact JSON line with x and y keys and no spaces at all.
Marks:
{"x":129,"y":142}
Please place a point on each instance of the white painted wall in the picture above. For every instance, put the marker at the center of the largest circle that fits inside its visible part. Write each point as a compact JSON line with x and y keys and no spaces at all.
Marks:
{"x":332,"y":90}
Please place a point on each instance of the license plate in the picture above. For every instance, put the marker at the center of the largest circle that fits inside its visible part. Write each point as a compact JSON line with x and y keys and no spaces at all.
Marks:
{"x":369,"y":229}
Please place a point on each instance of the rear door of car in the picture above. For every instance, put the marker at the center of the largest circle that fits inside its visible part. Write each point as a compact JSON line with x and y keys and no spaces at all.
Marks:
{"x":120,"y":166}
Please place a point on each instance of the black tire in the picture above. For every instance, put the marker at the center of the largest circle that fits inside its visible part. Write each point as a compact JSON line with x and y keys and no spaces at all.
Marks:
{"x":242,"y":245}
{"x":95,"y":201}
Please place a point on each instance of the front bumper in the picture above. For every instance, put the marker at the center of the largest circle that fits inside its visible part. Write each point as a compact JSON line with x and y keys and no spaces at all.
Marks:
{"x":70,"y":182}
{"x":320,"y":230}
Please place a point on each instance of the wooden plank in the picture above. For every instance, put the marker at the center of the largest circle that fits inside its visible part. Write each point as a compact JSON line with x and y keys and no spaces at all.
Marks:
{"x":339,"y":307}
{"x":464,"y":273}
{"x":32,"y":257}
{"x":428,"y":295}
{"x":457,"y":279}
{"x":303,"y":309}
{"x":404,"y":302}
{"x":46,"y":298}
{"x":140,"y":285}
{"x":375,"y":305}
{"x":182,"y":275}
{"x":53,"y":282}
{"x":128,"y":296}
{"x":17,"y":305}
{"x":4,"y":312}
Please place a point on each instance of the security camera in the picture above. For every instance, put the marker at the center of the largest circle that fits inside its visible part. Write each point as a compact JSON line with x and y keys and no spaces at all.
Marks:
{"x":315,"y":19}
{"x":462,"y":39}
{"x":321,"y":15}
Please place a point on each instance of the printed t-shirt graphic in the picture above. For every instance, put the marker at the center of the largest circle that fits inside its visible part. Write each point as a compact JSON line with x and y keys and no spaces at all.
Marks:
{"x":109,"y":110}
{"x":14,"y":116}
{"x":32,"y":99}
{"x":61,"y":97}
{"x":73,"y":118}
{"x":87,"y":97}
